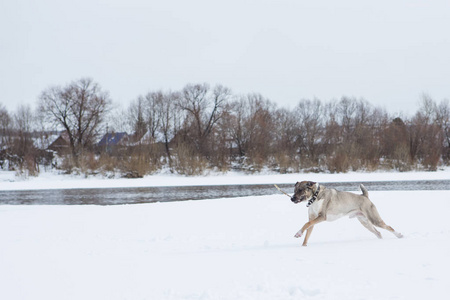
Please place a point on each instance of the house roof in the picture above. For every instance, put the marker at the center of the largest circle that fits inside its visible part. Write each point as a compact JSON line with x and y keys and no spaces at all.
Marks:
{"x":112,"y":139}
{"x":46,"y":139}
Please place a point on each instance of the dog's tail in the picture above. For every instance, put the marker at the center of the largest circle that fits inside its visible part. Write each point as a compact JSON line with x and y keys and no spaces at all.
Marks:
{"x":364,"y":190}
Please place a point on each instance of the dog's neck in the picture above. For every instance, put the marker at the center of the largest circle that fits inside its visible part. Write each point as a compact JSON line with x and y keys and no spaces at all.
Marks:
{"x":314,"y":197}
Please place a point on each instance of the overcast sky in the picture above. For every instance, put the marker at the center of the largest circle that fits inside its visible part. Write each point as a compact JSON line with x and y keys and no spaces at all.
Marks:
{"x":388,"y":52}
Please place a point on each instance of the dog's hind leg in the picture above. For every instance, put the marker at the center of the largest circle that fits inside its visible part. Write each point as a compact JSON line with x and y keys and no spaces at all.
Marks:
{"x":374,"y":218}
{"x":365,"y":222}
{"x":389,"y":228}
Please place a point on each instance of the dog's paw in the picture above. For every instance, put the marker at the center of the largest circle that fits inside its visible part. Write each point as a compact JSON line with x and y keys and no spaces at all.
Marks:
{"x":298,"y":234}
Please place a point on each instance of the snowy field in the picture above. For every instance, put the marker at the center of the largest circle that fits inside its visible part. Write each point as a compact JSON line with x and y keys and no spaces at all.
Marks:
{"x":238,"y":248}
{"x":241,"y":248}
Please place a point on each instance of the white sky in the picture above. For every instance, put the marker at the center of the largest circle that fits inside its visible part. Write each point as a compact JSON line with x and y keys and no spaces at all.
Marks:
{"x":388,"y":52}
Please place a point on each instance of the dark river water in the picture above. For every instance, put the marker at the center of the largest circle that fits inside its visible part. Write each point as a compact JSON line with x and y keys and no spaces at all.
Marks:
{"x":164,"y":194}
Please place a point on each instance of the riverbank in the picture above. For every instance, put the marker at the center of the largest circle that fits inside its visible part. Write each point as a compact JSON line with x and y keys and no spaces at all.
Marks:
{"x":54,"y":180}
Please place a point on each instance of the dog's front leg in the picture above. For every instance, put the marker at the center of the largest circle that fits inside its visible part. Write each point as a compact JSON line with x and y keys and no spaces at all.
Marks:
{"x":309,"y":224}
{"x":308,"y":233}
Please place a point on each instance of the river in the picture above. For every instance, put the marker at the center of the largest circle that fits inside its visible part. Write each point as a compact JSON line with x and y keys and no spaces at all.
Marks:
{"x":133,"y":195}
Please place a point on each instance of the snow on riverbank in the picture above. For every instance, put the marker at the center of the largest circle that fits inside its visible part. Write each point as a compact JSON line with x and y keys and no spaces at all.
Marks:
{"x":52,"y":180}
{"x":241,"y":248}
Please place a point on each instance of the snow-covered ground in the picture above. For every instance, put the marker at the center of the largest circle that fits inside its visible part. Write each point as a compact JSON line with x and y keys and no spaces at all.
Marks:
{"x":241,"y":248}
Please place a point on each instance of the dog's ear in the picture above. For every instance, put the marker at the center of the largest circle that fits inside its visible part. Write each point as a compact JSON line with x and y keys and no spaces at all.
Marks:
{"x":310,"y":183}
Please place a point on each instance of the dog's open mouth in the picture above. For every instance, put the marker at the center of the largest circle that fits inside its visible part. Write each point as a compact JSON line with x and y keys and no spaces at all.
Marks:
{"x":298,"y":200}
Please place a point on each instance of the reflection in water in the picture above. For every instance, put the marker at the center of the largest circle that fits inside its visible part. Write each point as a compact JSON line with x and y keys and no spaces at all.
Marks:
{"x":180,"y":193}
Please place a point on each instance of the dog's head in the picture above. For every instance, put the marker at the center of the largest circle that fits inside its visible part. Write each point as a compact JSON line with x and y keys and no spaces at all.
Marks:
{"x":303,"y":191}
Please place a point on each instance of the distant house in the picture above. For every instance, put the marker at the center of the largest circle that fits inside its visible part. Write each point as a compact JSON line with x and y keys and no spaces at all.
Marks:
{"x":43,"y":139}
{"x":148,"y":139}
{"x":61,"y":144}
{"x":114,"y":140}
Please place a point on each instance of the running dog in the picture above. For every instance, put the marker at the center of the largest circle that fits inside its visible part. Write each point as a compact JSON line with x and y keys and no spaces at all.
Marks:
{"x":329,"y":205}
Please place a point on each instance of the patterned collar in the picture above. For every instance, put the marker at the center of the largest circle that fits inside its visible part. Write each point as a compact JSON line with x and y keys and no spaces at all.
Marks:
{"x":314,"y":197}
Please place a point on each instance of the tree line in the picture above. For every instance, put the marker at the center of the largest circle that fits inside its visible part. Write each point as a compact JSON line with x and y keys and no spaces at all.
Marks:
{"x":203,"y":127}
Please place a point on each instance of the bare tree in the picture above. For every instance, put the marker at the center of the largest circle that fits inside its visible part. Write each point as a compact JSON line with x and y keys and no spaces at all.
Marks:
{"x":253,"y":129}
{"x":23,"y":147}
{"x":442,"y":113}
{"x":426,"y":136}
{"x":137,"y":118}
{"x":309,"y":116}
{"x":369,"y":124}
{"x":153,"y":112}
{"x":5,"y":127}
{"x":285,"y":140}
{"x":395,"y":144}
{"x":79,"y":108}
{"x":118,"y":119}
{"x":239,"y":113}
{"x":5,"y":138}
{"x":204,"y":108}
{"x":170,"y":115}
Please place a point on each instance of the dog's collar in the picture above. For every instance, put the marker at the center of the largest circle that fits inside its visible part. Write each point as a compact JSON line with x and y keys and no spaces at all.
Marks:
{"x":314,"y":197}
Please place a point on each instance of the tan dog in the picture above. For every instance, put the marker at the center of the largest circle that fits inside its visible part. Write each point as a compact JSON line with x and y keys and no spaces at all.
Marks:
{"x":329,"y":205}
